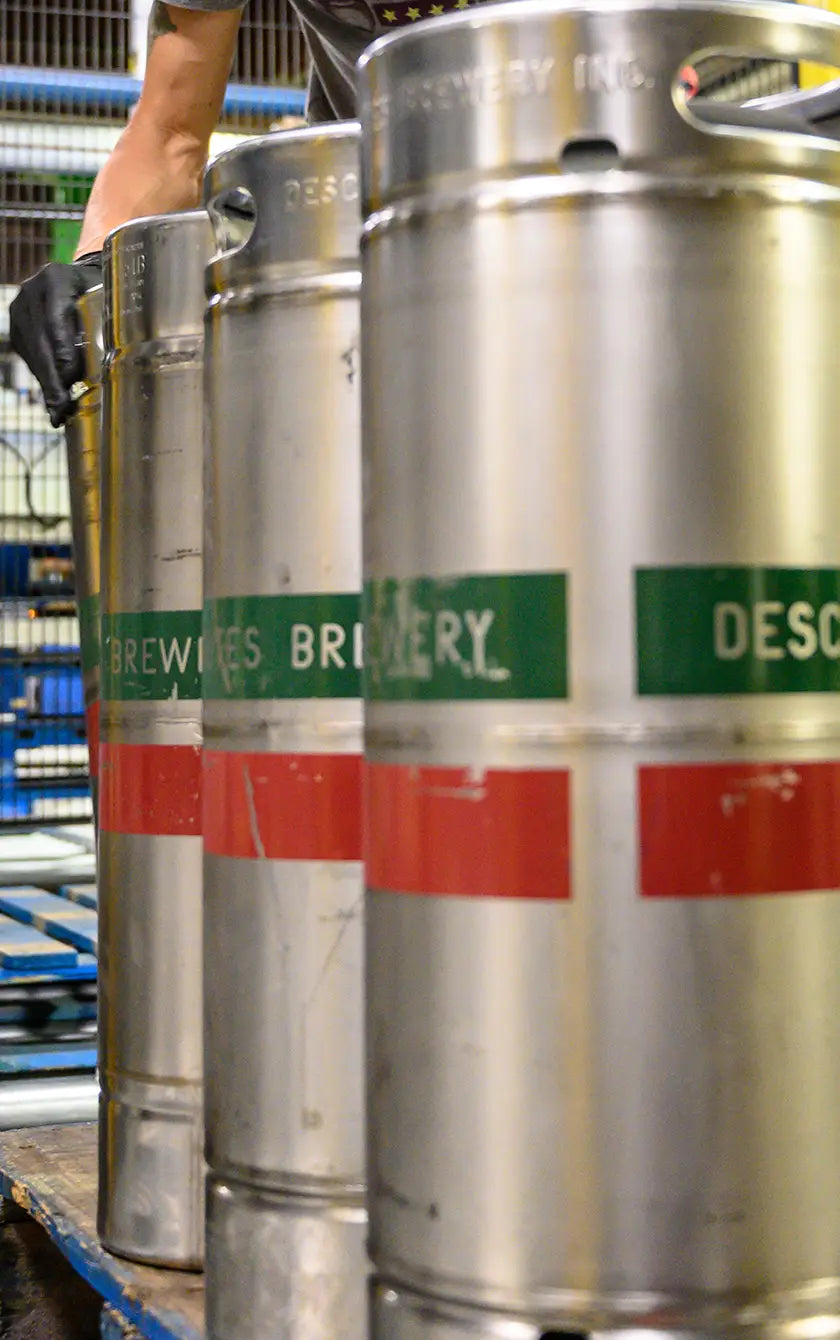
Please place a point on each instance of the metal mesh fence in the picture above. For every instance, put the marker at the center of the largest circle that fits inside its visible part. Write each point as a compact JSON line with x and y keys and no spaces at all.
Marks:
{"x":728,"y":80}
{"x":66,"y":87}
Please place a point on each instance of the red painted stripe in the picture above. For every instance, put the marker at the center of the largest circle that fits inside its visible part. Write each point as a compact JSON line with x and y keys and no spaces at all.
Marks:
{"x":150,"y":788}
{"x":92,"y":726}
{"x":293,"y":807}
{"x":730,"y":829}
{"x":497,"y":834}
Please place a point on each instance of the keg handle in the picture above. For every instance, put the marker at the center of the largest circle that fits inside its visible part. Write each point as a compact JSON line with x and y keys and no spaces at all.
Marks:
{"x":233,"y":214}
{"x":272,"y":196}
{"x":645,"y":76}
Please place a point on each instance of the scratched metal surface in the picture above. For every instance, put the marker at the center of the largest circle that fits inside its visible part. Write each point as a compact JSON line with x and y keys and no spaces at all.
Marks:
{"x":51,"y":1173}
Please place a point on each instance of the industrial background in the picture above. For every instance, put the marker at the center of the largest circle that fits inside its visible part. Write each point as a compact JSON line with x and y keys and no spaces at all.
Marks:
{"x":69,"y":74}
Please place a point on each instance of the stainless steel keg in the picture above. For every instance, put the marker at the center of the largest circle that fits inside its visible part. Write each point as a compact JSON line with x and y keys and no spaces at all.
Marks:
{"x":602,"y":618}
{"x":151,"y":1137}
{"x":283,"y":888}
{"x":83,"y":452}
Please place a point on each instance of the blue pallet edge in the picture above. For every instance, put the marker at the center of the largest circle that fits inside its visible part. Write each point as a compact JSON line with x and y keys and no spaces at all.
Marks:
{"x":53,"y":915}
{"x":24,"y":947}
{"x":86,"y":894}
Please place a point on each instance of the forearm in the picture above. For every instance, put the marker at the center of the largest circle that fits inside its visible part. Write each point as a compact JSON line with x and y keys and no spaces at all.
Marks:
{"x":151,"y":170}
{"x":158,"y":162}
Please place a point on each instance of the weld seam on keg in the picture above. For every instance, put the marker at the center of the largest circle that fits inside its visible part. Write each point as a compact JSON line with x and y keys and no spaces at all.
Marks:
{"x":292,"y":807}
{"x":164,"y":351}
{"x":582,"y":1312}
{"x":131,"y":1090}
{"x":414,"y":742}
{"x":315,"y":1191}
{"x":490,"y":193}
{"x":349,"y":1201}
{"x":314,"y":287}
{"x":468,"y":832}
{"x":150,"y":788}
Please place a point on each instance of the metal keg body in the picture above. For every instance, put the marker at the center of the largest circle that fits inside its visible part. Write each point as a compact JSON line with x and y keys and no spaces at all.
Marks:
{"x":151,"y":1130}
{"x":592,"y":1102}
{"x":282,"y":771}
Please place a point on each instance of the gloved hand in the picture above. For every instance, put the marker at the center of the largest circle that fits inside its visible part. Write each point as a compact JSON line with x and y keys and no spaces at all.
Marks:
{"x":45,"y":329}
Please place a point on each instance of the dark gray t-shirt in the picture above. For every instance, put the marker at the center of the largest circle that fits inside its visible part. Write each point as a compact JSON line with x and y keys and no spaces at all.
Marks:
{"x":337,"y":32}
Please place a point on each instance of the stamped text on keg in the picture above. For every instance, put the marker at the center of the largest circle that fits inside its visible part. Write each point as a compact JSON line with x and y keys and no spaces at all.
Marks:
{"x":473,"y":86}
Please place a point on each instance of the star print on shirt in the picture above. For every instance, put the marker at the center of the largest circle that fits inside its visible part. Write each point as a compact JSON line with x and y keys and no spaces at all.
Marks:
{"x":409,"y":12}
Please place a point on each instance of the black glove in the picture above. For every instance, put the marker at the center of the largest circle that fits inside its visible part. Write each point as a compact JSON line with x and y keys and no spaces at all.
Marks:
{"x":45,"y":330}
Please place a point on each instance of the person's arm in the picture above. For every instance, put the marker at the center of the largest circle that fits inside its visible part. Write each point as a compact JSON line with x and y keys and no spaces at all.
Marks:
{"x":157,"y":164}
{"x":155,"y":168}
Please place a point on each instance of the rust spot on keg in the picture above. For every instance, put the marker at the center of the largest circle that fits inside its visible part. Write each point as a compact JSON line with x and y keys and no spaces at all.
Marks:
{"x":311,"y":1119}
{"x":344,"y":914}
{"x":178,"y":554}
{"x":387,"y":1192}
{"x":724,"y":1217}
{"x":398,"y":1198}
{"x":350,"y":359}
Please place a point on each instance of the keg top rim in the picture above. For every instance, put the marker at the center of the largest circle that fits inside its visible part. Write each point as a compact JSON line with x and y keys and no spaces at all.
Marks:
{"x":143,"y":225}
{"x":301,"y":135}
{"x":533,"y":11}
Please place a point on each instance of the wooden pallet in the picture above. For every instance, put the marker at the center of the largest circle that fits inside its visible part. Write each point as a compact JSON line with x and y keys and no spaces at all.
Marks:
{"x":51,"y":1174}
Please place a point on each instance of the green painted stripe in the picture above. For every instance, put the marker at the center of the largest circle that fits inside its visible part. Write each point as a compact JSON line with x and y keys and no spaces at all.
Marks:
{"x":89,"y":632}
{"x":294,"y":646}
{"x":478,"y":637}
{"x":735,"y":630}
{"x":151,"y":655}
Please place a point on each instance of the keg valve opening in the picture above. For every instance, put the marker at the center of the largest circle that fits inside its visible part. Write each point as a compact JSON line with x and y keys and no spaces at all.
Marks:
{"x":589,"y":153}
